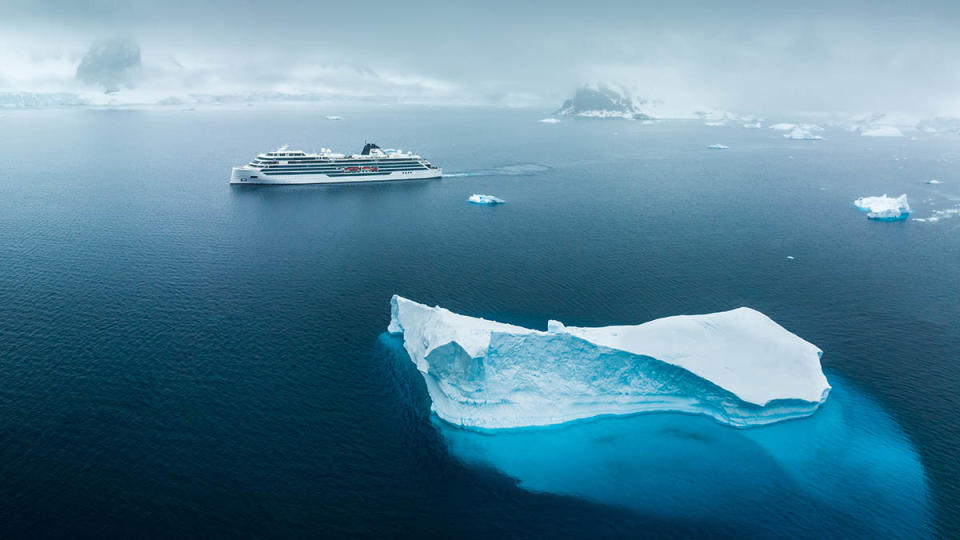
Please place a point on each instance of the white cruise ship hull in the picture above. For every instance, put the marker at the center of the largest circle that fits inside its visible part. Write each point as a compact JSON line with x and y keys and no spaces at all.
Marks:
{"x":251,"y":175}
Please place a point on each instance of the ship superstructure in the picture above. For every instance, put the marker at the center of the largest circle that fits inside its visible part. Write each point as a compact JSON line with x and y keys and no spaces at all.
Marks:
{"x":373,"y":164}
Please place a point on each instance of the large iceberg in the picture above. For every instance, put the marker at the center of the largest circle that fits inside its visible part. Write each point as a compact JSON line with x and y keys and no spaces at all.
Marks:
{"x":738,"y":367}
{"x":884,"y":208}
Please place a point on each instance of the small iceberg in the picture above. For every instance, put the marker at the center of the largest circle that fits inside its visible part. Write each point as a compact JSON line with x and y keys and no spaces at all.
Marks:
{"x":884,"y":208}
{"x":334,"y":117}
{"x":738,"y":367}
{"x":477,"y":198}
{"x":718,"y":147}
{"x":881,"y":131}
{"x":805,"y":132}
{"x":782,"y":126}
{"x":933,"y":181}
{"x":549,"y":121}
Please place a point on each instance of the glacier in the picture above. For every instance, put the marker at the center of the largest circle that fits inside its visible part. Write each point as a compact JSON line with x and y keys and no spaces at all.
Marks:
{"x":738,"y":367}
{"x":881,"y":131}
{"x":884,"y":208}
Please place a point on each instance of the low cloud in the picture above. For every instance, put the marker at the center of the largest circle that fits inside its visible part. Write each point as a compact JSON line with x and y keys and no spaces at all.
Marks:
{"x":111,"y":64}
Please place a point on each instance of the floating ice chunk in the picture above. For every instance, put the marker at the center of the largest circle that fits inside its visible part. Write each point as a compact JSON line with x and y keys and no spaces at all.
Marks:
{"x":790,"y":257}
{"x":884,"y":208}
{"x":752,"y":125}
{"x":804,"y":132}
{"x":718,"y":147}
{"x":783,"y":126}
{"x":933,"y":181}
{"x":941,"y":214}
{"x":738,"y":367}
{"x":716,"y":123}
{"x":334,"y":117}
{"x":477,"y":198}
{"x":881,"y":131}
{"x":549,"y":121}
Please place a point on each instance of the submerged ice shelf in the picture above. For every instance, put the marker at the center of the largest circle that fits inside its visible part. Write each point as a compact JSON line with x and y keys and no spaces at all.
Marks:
{"x":738,"y":367}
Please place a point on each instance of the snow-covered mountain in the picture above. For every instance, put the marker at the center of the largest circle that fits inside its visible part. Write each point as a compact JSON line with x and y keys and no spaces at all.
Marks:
{"x":601,"y":102}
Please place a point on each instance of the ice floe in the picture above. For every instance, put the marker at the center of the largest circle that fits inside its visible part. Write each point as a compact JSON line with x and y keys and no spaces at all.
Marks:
{"x":477,"y":198}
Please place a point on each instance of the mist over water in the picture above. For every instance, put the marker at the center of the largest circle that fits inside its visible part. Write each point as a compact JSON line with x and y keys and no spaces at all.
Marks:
{"x":849,"y":58}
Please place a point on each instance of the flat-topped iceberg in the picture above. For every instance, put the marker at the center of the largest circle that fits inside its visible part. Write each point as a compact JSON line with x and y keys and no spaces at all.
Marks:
{"x":884,"y":208}
{"x":738,"y":367}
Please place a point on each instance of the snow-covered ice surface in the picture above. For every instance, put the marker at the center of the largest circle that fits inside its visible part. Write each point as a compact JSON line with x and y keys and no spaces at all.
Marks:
{"x":718,"y":147}
{"x":477,"y":198}
{"x":884,"y":208}
{"x":881,"y":131}
{"x":739,"y":367}
{"x":804,"y":132}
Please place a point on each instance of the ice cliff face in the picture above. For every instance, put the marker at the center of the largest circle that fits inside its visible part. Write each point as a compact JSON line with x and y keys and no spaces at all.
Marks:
{"x":600,"y":102}
{"x":739,"y":367}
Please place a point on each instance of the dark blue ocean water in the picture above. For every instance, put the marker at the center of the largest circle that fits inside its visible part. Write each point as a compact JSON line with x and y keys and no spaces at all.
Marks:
{"x":179,"y":357}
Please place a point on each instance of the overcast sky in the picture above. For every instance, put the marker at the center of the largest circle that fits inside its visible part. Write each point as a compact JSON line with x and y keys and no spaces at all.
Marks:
{"x":758,"y":57}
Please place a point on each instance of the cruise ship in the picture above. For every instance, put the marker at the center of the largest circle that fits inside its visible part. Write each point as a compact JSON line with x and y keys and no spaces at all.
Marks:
{"x":373,"y":164}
